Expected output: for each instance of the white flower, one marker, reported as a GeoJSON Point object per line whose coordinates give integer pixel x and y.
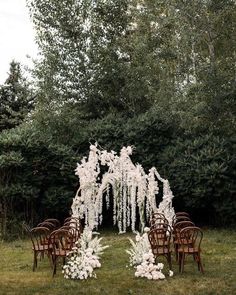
{"type": "Point", "coordinates": [137, 238]}
{"type": "Point", "coordinates": [171, 273]}
{"type": "Point", "coordinates": [161, 276]}
{"type": "Point", "coordinates": [160, 265]}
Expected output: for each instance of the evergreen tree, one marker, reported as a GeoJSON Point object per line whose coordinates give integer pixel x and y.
{"type": "Point", "coordinates": [16, 99]}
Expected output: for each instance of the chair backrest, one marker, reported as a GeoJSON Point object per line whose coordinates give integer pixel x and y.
{"type": "Point", "coordinates": [54, 221]}
{"type": "Point", "coordinates": [159, 238]}
{"type": "Point", "coordinates": [179, 226]}
{"type": "Point", "coordinates": [74, 223]}
{"type": "Point", "coordinates": [182, 224]}
{"type": "Point", "coordinates": [158, 220]}
{"type": "Point", "coordinates": [160, 225]}
{"type": "Point", "coordinates": [182, 214]}
{"type": "Point", "coordinates": [74, 231]}
{"type": "Point", "coordinates": [157, 214]}
{"type": "Point", "coordinates": [193, 235]}
{"type": "Point", "coordinates": [180, 218]}
{"type": "Point", "coordinates": [71, 218]}
{"type": "Point", "coordinates": [47, 224]}
{"type": "Point", "coordinates": [39, 236]}
{"type": "Point", "coordinates": [61, 242]}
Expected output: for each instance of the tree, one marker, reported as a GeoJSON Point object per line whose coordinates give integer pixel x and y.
{"type": "Point", "coordinates": [79, 59]}
{"type": "Point", "coordinates": [16, 98]}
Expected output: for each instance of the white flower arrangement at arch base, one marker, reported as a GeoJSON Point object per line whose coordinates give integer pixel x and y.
{"type": "Point", "coordinates": [84, 257]}
{"type": "Point", "coordinates": [142, 258]}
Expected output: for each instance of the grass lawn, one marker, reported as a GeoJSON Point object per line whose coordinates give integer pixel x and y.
{"type": "Point", "coordinates": [218, 256]}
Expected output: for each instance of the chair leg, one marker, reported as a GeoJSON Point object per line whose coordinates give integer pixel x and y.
{"type": "Point", "coordinates": [182, 262]}
{"type": "Point", "coordinates": [54, 266]}
{"type": "Point", "coordinates": [200, 264]}
{"type": "Point", "coordinates": [35, 261]}
{"type": "Point", "coordinates": [176, 252]}
{"type": "Point", "coordinates": [49, 255]}
{"type": "Point", "coordinates": [179, 261]}
{"type": "Point", "coordinates": [169, 260]}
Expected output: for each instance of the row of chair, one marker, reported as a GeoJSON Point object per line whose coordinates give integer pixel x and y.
{"type": "Point", "coordinates": [51, 239]}
{"type": "Point", "coordinates": [186, 238]}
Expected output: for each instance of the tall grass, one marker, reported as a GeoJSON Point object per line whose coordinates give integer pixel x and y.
{"type": "Point", "coordinates": [114, 277]}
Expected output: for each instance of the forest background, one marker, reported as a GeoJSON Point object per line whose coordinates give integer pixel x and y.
{"type": "Point", "coordinates": [158, 75]}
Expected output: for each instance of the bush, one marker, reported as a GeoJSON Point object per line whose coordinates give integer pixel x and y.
{"type": "Point", "coordinates": [201, 174]}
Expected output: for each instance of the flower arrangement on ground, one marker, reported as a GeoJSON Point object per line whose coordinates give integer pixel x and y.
{"type": "Point", "coordinates": [84, 257]}
{"type": "Point", "coordinates": [142, 258]}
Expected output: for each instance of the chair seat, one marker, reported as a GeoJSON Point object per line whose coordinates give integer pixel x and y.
{"type": "Point", "coordinates": [61, 252]}
{"type": "Point", "coordinates": [40, 248]}
{"type": "Point", "coordinates": [160, 250]}
{"type": "Point", "coordinates": [188, 250]}
{"type": "Point", "coordinates": [183, 242]}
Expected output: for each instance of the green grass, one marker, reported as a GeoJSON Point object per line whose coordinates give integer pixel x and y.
{"type": "Point", "coordinates": [218, 255]}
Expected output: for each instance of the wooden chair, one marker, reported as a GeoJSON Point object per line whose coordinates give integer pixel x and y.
{"type": "Point", "coordinates": [60, 244]}
{"type": "Point", "coordinates": [159, 239]}
{"type": "Point", "coordinates": [176, 234]}
{"type": "Point", "coordinates": [39, 236]}
{"type": "Point", "coordinates": [190, 238]}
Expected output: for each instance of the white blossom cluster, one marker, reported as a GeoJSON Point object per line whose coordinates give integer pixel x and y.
{"type": "Point", "coordinates": [148, 269]}
{"type": "Point", "coordinates": [142, 258]}
{"type": "Point", "coordinates": [84, 258]}
{"type": "Point", "coordinates": [131, 188]}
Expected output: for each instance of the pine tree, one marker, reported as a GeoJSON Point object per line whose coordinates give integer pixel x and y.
{"type": "Point", "coordinates": [16, 99]}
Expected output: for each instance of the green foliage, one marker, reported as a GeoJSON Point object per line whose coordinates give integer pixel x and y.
{"type": "Point", "coordinates": [201, 173]}
{"type": "Point", "coordinates": [36, 176]}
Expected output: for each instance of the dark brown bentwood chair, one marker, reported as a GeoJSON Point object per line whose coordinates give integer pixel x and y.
{"type": "Point", "coordinates": [159, 239]}
{"type": "Point", "coordinates": [60, 243]}
{"type": "Point", "coordinates": [39, 237]}
{"type": "Point", "coordinates": [176, 234]}
{"type": "Point", "coordinates": [190, 238]}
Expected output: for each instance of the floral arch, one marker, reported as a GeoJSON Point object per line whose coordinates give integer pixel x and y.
{"type": "Point", "coordinates": [131, 188]}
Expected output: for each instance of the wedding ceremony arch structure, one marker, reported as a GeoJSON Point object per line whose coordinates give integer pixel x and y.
{"type": "Point", "coordinates": [132, 190]}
